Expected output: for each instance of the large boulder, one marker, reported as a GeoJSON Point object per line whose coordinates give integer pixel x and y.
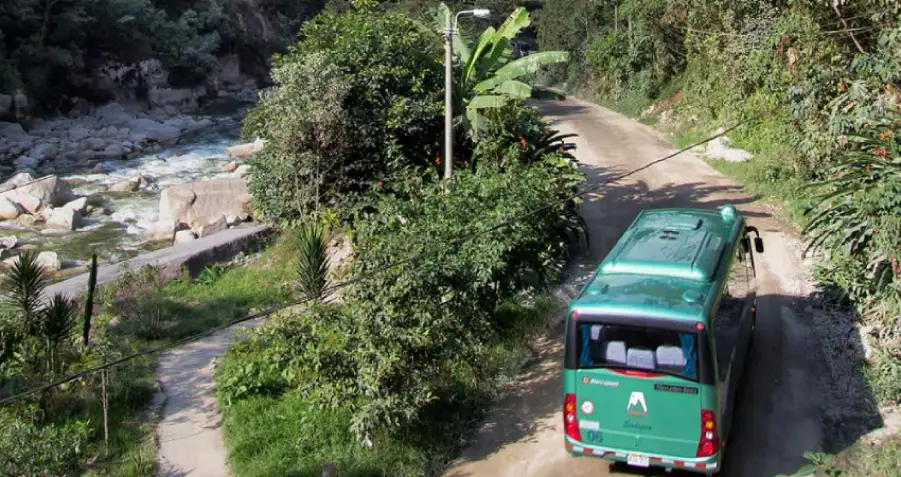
{"type": "Point", "coordinates": [213, 227]}
{"type": "Point", "coordinates": [160, 231]}
{"type": "Point", "coordinates": [51, 190]}
{"type": "Point", "coordinates": [64, 219]}
{"type": "Point", "coordinates": [148, 129]}
{"type": "Point", "coordinates": [23, 200]}
{"type": "Point", "coordinates": [113, 114]}
{"type": "Point", "coordinates": [8, 209]}
{"type": "Point", "coordinates": [245, 150]}
{"type": "Point", "coordinates": [12, 130]}
{"type": "Point", "coordinates": [44, 151]}
{"type": "Point", "coordinates": [79, 205]}
{"type": "Point", "coordinates": [200, 203]}
{"type": "Point", "coordinates": [48, 260]}
{"type": "Point", "coordinates": [20, 179]}
{"type": "Point", "coordinates": [184, 236]}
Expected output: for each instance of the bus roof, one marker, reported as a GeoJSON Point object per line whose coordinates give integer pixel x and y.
{"type": "Point", "coordinates": [666, 265]}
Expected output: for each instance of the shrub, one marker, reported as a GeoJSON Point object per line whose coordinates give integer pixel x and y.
{"type": "Point", "coordinates": [357, 100]}
{"type": "Point", "coordinates": [28, 448]}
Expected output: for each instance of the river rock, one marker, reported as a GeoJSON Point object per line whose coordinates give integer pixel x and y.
{"type": "Point", "coordinates": [113, 151]}
{"type": "Point", "coordinates": [25, 162]}
{"type": "Point", "coordinates": [26, 220]}
{"type": "Point", "coordinates": [20, 179]}
{"type": "Point", "coordinates": [94, 144]}
{"type": "Point", "coordinates": [144, 129]}
{"type": "Point", "coordinates": [79, 205]}
{"type": "Point", "coordinates": [44, 151]}
{"type": "Point", "coordinates": [64, 219]}
{"type": "Point", "coordinates": [230, 167]}
{"type": "Point", "coordinates": [162, 230]}
{"type": "Point", "coordinates": [130, 185]}
{"type": "Point", "coordinates": [98, 168]}
{"type": "Point", "coordinates": [8, 210]}
{"type": "Point", "coordinates": [245, 150]}
{"type": "Point", "coordinates": [49, 260]}
{"type": "Point", "coordinates": [11, 130]}
{"type": "Point", "coordinates": [213, 227]}
{"type": "Point", "coordinates": [79, 133]}
{"type": "Point", "coordinates": [9, 242]}
{"type": "Point", "coordinates": [241, 171]}
{"type": "Point", "coordinates": [50, 190]}
{"type": "Point", "coordinates": [184, 236]}
{"type": "Point", "coordinates": [112, 114]}
{"type": "Point", "coordinates": [24, 200]}
{"type": "Point", "coordinates": [200, 203]}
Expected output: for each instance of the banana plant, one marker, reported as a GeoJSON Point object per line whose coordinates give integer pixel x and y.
{"type": "Point", "coordinates": [489, 77]}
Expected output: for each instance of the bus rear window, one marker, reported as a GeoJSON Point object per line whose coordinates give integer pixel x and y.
{"type": "Point", "coordinates": [638, 348]}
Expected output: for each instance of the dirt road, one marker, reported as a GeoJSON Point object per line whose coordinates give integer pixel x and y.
{"type": "Point", "coordinates": [781, 409]}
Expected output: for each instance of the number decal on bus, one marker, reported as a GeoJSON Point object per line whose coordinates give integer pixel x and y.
{"type": "Point", "coordinates": [593, 436]}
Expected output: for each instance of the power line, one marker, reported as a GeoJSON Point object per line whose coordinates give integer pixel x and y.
{"type": "Point", "coordinates": [366, 275]}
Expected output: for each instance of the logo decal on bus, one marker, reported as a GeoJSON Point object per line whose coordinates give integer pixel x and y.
{"type": "Point", "coordinates": [637, 405]}
{"type": "Point", "coordinates": [600, 382]}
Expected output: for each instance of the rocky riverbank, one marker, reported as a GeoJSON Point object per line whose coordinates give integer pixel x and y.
{"type": "Point", "coordinates": [76, 186]}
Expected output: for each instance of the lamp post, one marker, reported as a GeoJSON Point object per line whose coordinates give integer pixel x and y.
{"type": "Point", "coordinates": [450, 29]}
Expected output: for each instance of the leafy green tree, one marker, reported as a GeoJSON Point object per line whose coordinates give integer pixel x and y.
{"type": "Point", "coordinates": [356, 102]}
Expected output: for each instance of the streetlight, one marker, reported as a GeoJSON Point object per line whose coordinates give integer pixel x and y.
{"type": "Point", "coordinates": [450, 29]}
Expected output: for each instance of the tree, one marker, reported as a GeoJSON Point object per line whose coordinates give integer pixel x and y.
{"type": "Point", "coordinates": [357, 102]}
{"type": "Point", "coordinates": [489, 76]}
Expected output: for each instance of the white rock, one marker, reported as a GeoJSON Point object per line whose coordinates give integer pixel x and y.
{"type": "Point", "coordinates": [26, 220]}
{"type": "Point", "coordinates": [143, 129]}
{"type": "Point", "coordinates": [9, 242]}
{"type": "Point", "coordinates": [79, 205]}
{"type": "Point", "coordinates": [233, 220]}
{"type": "Point", "coordinates": [184, 236]}
{"type": "Point", "coordinates": [20, 179]}
{"type": "Point", "coordinates": [162, 230]}
{"type": "Point", "coordinates": [64, 219]}
{"type": "Point", "coordinates": [50, 190]}
{"type": "Point", "coordinates": [230, 167]}
{"type": "Point", "coordinates": [246, 150]}
{"type": "Point", "coordinates": [213, 227]}
{"type": "Point", "coordinates": [130, 185]}
{"type": "Point", "coordinates": [49, 260]}
{"type": "Point", "coordinates": [24, 200]}
{"type": "Point", "coordinates": [8, 210]}
{"type": "Point", "coordinates": [241, 171]}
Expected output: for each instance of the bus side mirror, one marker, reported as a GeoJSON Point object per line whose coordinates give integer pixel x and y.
{"type": "Point", "coordinates": [758, 244]}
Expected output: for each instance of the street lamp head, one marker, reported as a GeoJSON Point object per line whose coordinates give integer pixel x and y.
{"type": "Point", "coordinates": [481, 13]}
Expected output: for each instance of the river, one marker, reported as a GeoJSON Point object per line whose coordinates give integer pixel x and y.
{"type": "Point", "coordinates": [118, 233]}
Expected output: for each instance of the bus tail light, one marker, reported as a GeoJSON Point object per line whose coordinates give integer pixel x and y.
{"type": "Point", "coordinates": [570, 418]}
{"type": "Point", "coordinates": [709, 443]}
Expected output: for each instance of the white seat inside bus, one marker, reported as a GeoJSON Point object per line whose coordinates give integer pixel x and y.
{"type": "Point", "coordinates": [641, 358]}
{"type": "Point", "coordinates": [670, 356]}
{"type": "Point", "coordinates": [615, 352]}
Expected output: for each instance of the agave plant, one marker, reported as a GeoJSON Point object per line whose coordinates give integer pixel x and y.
{"type": "Point", "coordinates": [490, 76]}
{"type": "Point", "coordinates": [312, 261]}
{"type": "Point", "coordinates": [23, 288]}
{"type": "Point", "coordinates": [55, 327]}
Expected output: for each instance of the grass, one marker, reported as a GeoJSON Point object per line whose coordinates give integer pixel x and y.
{"type": "Point", "coordinates": [866, 460]}
{"type": "Point", "coordinates": [282, 435]}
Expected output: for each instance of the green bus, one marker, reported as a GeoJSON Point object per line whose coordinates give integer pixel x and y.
{"type": "Point", "coordinates": [656, 342]}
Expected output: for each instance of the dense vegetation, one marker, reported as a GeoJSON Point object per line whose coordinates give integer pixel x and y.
{"type": "Point", "coordinates": [52, 48]}
{"type": "Point", "coordinates": [408, 356]}
{"type": "Point", "coordinates": [824, 78]}
{"type": "Point", "coordinates": [62, 431]}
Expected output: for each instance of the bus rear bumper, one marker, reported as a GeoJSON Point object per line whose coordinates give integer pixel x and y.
{"type": "Point", "coordinates": [704, 465]}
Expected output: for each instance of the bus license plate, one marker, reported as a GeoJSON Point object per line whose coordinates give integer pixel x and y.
{"type": "Point", "coordinates": [638, 460]}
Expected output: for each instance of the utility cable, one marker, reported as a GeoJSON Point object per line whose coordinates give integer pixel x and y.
{"type": "Point", "coordinates": [366, 275]}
